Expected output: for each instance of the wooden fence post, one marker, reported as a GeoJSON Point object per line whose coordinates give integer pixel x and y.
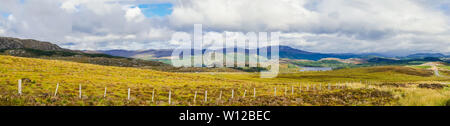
{"type": "Point", "coordinates": [104, 93]}
{"type": "Point", "coordinates": [19, 86]}
{"type": "Point", "coordinates": [195, 97]}
{"type": "Point", "coordinates": [153, 95]}
{"type": "Point", "coordinates": [245, 91]}
{"type": "Point", "coordinates": [232, 93]}
{"type": "Point", "coordinates": [170, 93]}
{"type": "Point", "coordinates": [275, 92]}
{"type": "Point", "coordinates": [206, 96]}
{"type": "Point", "coordinates": [56, 90]}
{"type": "Point", "coordinates": [79, 93]}
{"type": "Point", "coordinates": [220, 96]}
{"type": "Point", "coordinates": [254, 92]}
{"type": "Point", "coordinates": [129, 90]}
{"type": "Point", "coordinates": [292, 88]}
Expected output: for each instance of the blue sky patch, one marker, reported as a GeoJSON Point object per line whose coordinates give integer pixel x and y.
{"type": "Point", "coordinates": [4, 14]}
{"type": "Point", "coordinates": [445, 8]}
{"type": "Point", "coordinates": [151, 10]}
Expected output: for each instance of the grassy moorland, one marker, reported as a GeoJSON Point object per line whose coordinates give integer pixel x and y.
{"type": "Point", "coordinates": [386, 85]}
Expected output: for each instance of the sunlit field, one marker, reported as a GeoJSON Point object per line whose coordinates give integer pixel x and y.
{"type": "Point", "coordinates": [109, 86]}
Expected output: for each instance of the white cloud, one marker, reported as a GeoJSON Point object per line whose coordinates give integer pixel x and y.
{"type": "Point", "coordinates": [11, 18]}
{"type": "Point", "coordinates": [158, 34]}
{"type": "Point", "coordinates": [327, 25]}
{"type": "Point", "coordinates": [134, 15]}
{"type": "Point", "coordinates": [2, 31]}
{"type": "Point", "coordinates": [70, 6]}
{"type": "Point", "coordinates": [313, 25]}
{"type": "Point", "coordinates": [243, 14]}
{"type": "Point", "coordinates": [325, 16]}
{"type": "Point", "coordinates": [91, 38]}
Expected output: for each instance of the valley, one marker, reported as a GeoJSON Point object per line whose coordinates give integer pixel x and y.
{"type": "Point", "coordinates": [53, 76]}
{"type": "Point", "coordinates": [387, 85]}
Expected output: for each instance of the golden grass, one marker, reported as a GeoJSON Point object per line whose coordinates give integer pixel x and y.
{"type": "Point", "coordinates": [424, 97]}
{"type": "Point", "coordinates": [45, 74]}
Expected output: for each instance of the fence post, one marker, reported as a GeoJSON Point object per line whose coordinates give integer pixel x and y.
{"type": "Point", "coordinates": [254, 92]}
{"type": "Point", "coordinates": [232, 93]}
{"type": "Point", "coordinates": [104, 94]}
{"type": "Point", "coordinates": [19, 87]}
{"type": "Point", "coordinates": [329, 86]}
{"type": "Point", "coordinates": [170, 93]}
{"type": "Point", "coordinates": [292, 88]}
{"type": "Point", "coordinates": [195, 97]}
{"type": "Point", "coordinates": [245, 91]}
{"type": "Point", "coordinates": [275, 92]}
{"type": "Point", "coordinates": [285, 91]}
{"type": "Point", "coordinates": [153, 94]}
{"type": "Point", "coordinates": [129, 90]}
{"type": "Point", "coordinates": [56, 90]}
{"type": "Point", "coordinates": [206, 96]}
{"type": "Point", "coordinates": [79, 93]}
{"type": "Point", "coordinates": [220, 96]}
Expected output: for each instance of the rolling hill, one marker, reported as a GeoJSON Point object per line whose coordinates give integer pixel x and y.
{"type": "Point", "coordinates": [423, 55]}
{"type": "Point", "coordinates": [41, 77]}
{"type": "Point", "coordinates": [15, 43]}
{"type": "Point", "coordinates": [285, 52]}
{"type": "Point", "coordinates": [47, 50]}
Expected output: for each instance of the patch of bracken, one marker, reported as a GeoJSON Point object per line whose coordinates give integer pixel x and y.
{"type": "Point", "coordinates": [343, 97]}
{"type": "Point", "coordinates": [432, 86]}
{"type": "Point", "coordinates": [393, 84]}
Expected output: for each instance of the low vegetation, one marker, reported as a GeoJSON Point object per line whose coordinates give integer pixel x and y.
{"type": "Point", "coordinates": [347, 86]}
{"type": "Point", "coordinates": [376, 61]}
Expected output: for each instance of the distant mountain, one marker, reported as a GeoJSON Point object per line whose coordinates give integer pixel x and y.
{"type": "Point", "coordinates": [394, 61]}
{"type": "Point", "coordinates": [285, 52]}
{"type": "Point", "coordinates": [423, 55]}
{"type": "Point", "coordinates": [292, 53]}
{"type": "Point", "coordinates": [146, 54]}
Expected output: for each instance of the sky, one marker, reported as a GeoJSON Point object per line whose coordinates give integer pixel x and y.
{"type": "Point", "coordinates": [396, 27]}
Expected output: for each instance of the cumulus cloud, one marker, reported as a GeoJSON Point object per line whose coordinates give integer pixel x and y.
{"type": "Point", "coordinates": [243, 15]}
{"type": "Point", "coordinates": [344, 26]}
{"type": "Point", "coordinates": [2, 31]}
{"type": "Point", "coordinates": [401, 26]}
{"type": "Point", "coordinates": [134, 15]}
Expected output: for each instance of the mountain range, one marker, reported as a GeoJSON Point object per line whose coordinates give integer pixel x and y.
{"type": "Point", "coordinates": [284, 51]}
